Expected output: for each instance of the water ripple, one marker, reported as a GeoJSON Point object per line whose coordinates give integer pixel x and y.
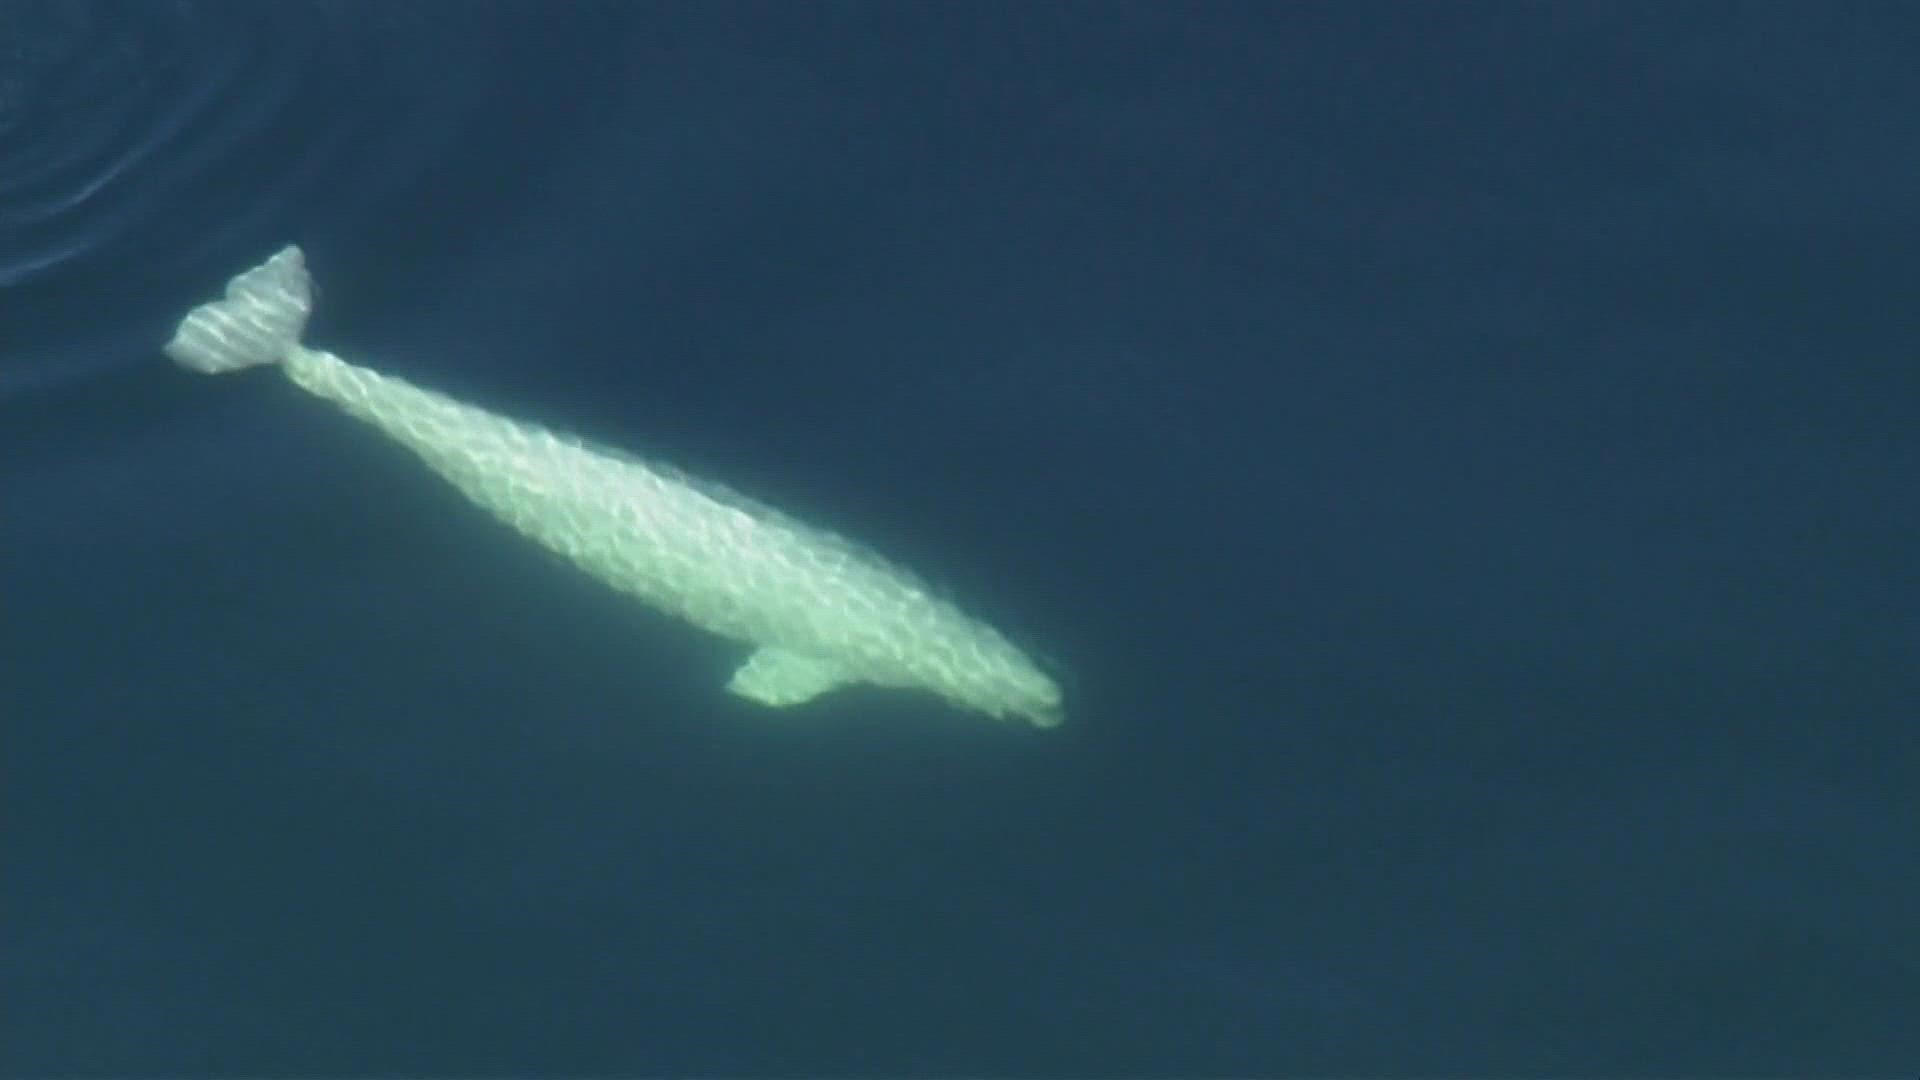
{"type": "Point", "coordinates": [92, 96]}
{"type": "Point", "coordinates": [142, 142]}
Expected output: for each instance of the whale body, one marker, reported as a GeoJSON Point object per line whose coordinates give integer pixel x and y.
{"type": "Point", "coordinates": [818, 611]}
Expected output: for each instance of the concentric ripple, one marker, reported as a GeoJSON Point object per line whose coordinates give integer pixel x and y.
{"type": "Point", "coordinates": [106, 109]}
{"type": "Point", "coordinates": [137, 140]}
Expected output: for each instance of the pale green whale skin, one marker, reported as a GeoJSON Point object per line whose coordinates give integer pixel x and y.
{"type": "Point", "coordinates": [819, 611]}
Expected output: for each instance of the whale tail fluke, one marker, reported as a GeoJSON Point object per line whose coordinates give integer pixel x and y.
{"type": "Point", "coordinates": [258, 322]}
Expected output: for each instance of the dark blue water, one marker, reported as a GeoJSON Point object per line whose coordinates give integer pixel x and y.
{"type": "Point", "coordinates": [1462, 458]}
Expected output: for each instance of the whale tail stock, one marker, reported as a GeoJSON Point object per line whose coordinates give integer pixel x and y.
{"type": "Point", "coordinates": [258, 321]}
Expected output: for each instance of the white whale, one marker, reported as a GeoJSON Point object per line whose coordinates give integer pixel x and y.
{"type": "Point", "coordinates": [820, 612]}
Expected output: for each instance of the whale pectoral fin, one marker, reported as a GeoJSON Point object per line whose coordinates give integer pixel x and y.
{"type": "Point", "coordinates": [776, 677]}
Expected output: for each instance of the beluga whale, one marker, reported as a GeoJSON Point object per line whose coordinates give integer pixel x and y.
{"type": "Point", "coordinates": [815, 610]}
